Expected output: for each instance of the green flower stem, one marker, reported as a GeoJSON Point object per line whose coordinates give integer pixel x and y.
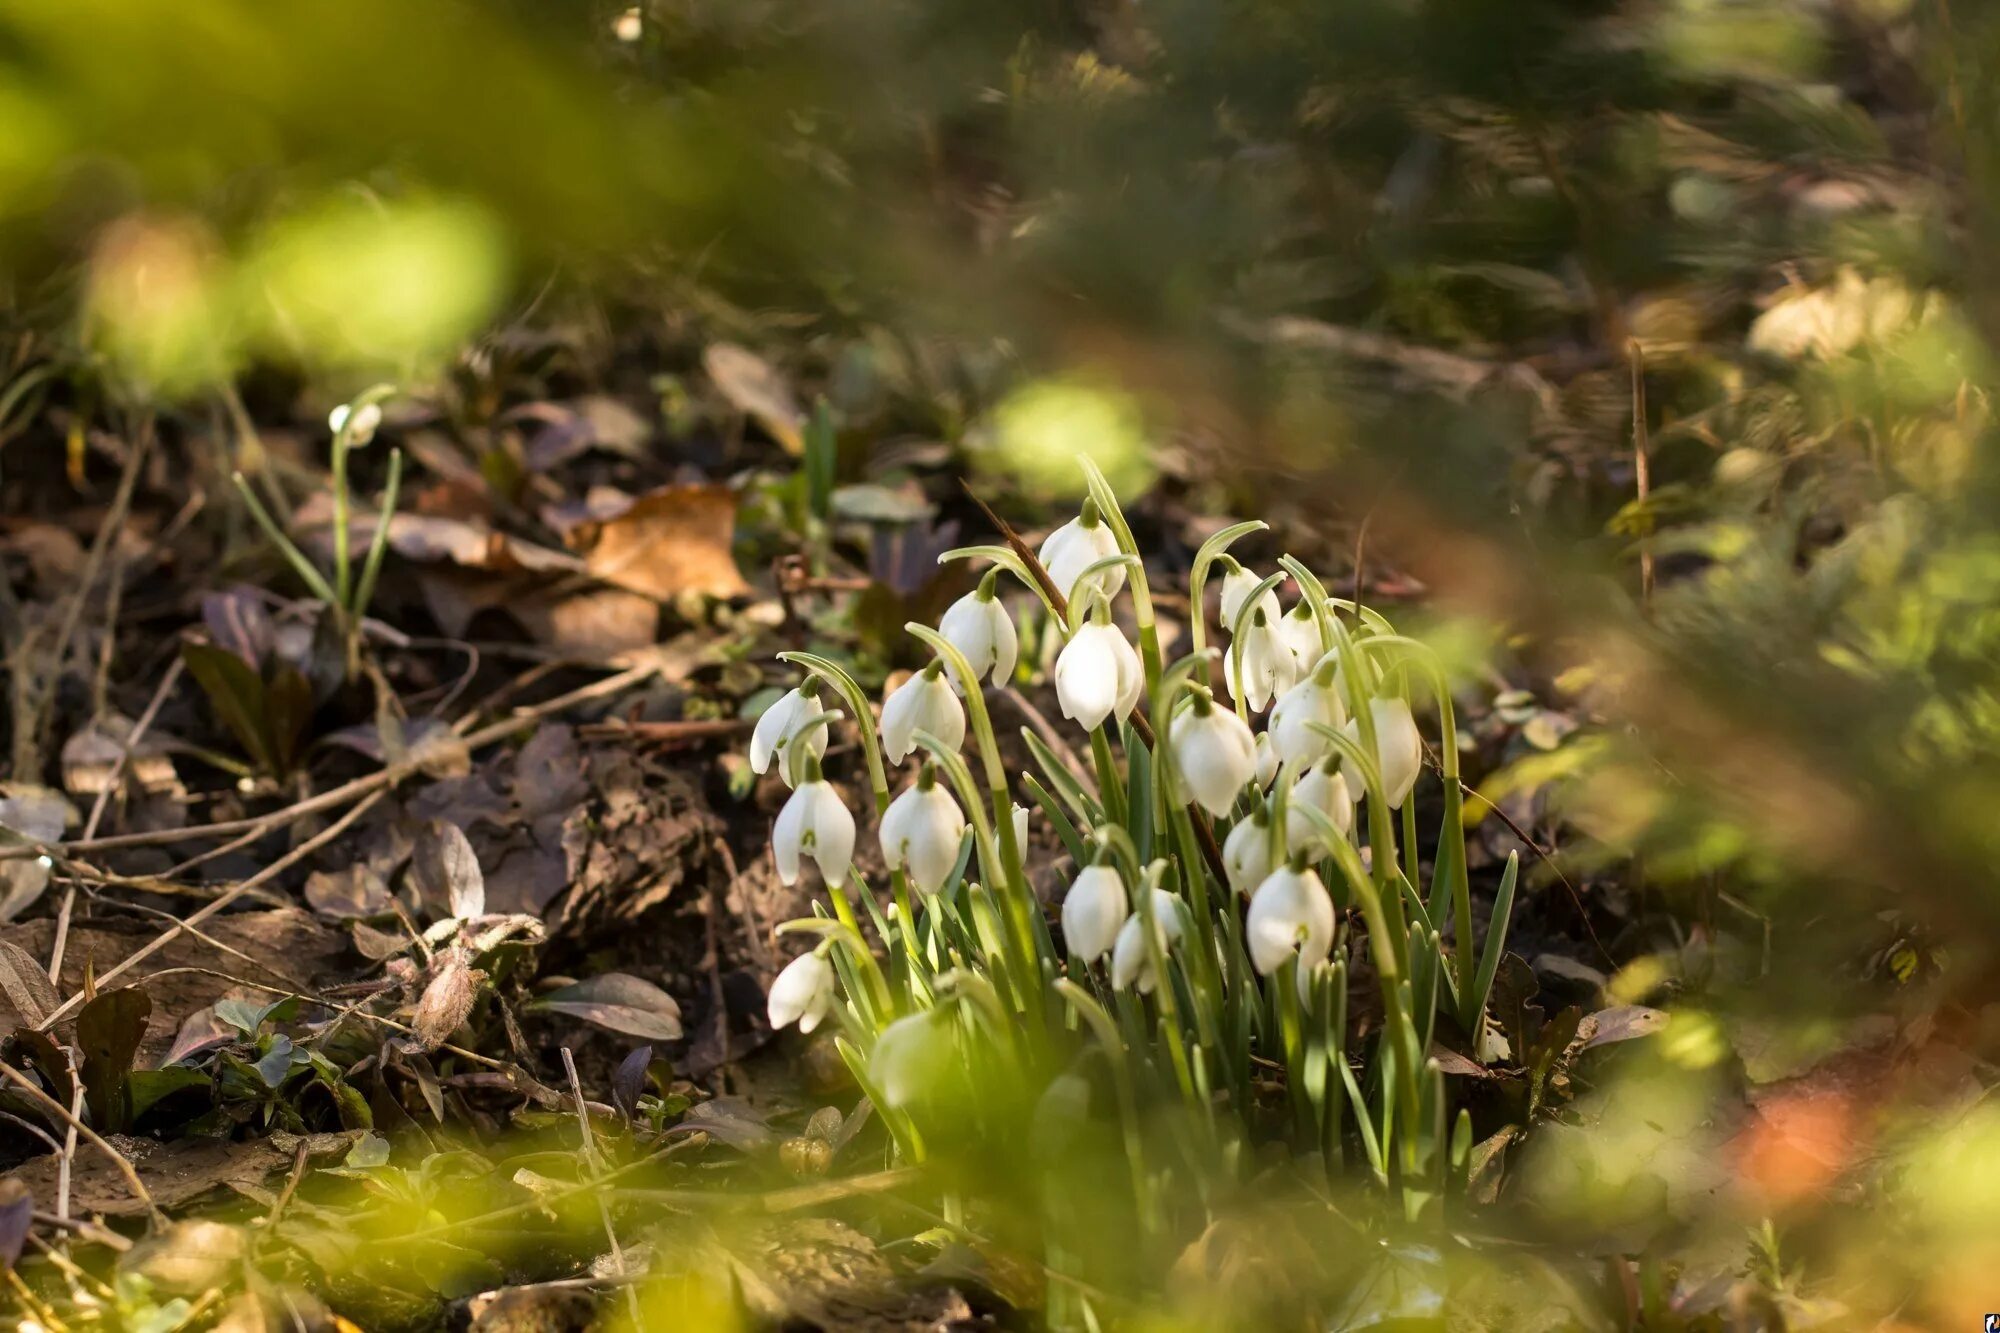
{"type": "Point", "coordinates": [1142, 595]}
{"type": "Point", "coordinates": [1245, 615]}
{"type": "Point", "coordinates": [1113, 1045]}
{"type": "Point", "coordinates": [1211, 550]}
{"type": "Point", "coordinates": [307, 571]}
{"type": "Point", "coordinates": [1005, 558]}
{"type": "Point", "coordinates": [371, 569]}
{"type": "Point", "coordinates": [1315, 595]}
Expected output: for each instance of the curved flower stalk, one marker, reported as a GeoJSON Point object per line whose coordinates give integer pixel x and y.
{"type": "Point", "coordinates": [783, 720]}
{"type": "Point", "coordinates": [921, 832]}
{"type": "Point", "coordinates": [924, 702]}
{"type": "Point", "coordinates": [979, 626]}
{"type": "Point", "coordinates": [1210, 553]}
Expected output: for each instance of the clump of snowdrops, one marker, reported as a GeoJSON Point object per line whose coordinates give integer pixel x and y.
{"type": "Point", "coordinates": [1235, 860]}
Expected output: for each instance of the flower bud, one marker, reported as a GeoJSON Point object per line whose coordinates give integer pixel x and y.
{"type": "Point", "coordinates": [1214, 753]}
{"type": "Point", "coordinates": [1093, 910]}
{"type": "Point", "coordinates": [1399, 751]}
{"type": "Point", "coordinates": [816, 823]}
{"type": "Point", "coordinates": [921, 831]}
{"type": "Point", "coordinates": [978, 625]}
{"type": "Point", "coordinates": [1246, 852]}
{"type": "Point", "coordinates": [1098, 674]}
{"type": "Point", "coordinates": [1075, 547]}
{"type": "Point", "coordinates": [1020, 816]}
{"type": "Point", "coordinates": [924, 702]}
{"type": "Point", "coordinates": [361, 425]}
{"type": "Point", "coordinates": [779, 723]}
{"type": "Point", "coordinates": [1131, 960]}
{"type": "Point", "coordinates": [802, 993]}
{"type": "Point", "coordinates": [1325, 789]}
{"type": "Point", "coordinates": [1290, 911]}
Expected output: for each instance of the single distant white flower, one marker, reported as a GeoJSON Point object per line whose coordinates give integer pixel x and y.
{"type": "Point", "coordinates": [924, 702]}
{"type": "Point", "coordinates": [1131, 960]}
{"type": "Point", "coordinates": [365, 422]}
{"type": "Point", "coordinates": [921, 831]}
{"type": "Point", "coordinates": [1267, 667]}
{"type": "Point", "coordinates": [1075, 547]}
{"type": "Point", "coordinates": [802, 993]}
{"type": "Point", "coordinates": [629, 26]}
{"type": "Point", "coordinates": [1325, 789]}
{"type": "Point", "coordinates": [1093, 910]}
{"type": "Point", "coordinates": [1289, 911]}
{"type": "Point", "coordinates": [1399, 751]}
{"type": "Point", "coordinates": [1315, 699]}
{"type": "Point", "coordinates": [1098, 674]}
{"type": "Point", "coordinates": [978, 625]}
{"type": "Point", "coordinates": [1214, 753]}
{"type": "Point", "coordinates": [816, 823]}
{"type": "Point", "coordinates": [1246, 852]}
{"type": "Point", "coordinates": [1237, 585]}
{"type": "Point", "coordinates": [778, 724]}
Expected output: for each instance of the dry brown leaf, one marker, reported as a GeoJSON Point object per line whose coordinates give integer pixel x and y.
{"type": "Point", "coordinates": [591, 626]}
{"type": "Point", "coordinates": [667, 542]}
{"type": "Point", "coordinates": [447, 1000]}
{"type": "Point", "coordinates": [756, 389]}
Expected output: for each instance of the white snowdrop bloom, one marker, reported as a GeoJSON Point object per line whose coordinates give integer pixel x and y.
{"type": "Point", "coordinates": [906, 1055]}
{"type": "Point", "coordinates": [629, 26]}
{"type": "Point", "coordinates": [1267, 667]}
{"type": "Point", "coordinates": [1131, 960]}
{"type": "Point", "coordinates": [365, 423]}
{"type": "Point", "coordinates": [1246, 852]}
{"type": "Point", "coordinates": [1399, 751]}
{"type": "Point", "coordinates": [802, 993]}
{"type": "Point", "coordinates": [1324, 788]}
{"type": "Point", "coordinates": [1298, 630]}
{"type": "Point", "coordinates": [1075, 547]}
{"type": "Point", "coordinates": [1093, 910]}
{"type": "Point", "coordinates": [1290, 911]}
{"type": "Point", "coordinates": [1214, 753]}
{"type": "Point", "coordinates": [816, 823]}
{"type": "Point", "coordinates": [1237, 585]}
{"type": "Point", "coordinates": [1267, 760]}
{"type": "Point", "coordinates": [1314, 699]}
{"type": "Point", "coordinates": [979, 626]}
{"type": "Point", "coordinates": [1098, 674]}
{"type": "Point", "coordinates": [778, 724]}
{"type": "Point", "coordinates": [921, 831]}
{"type": "Point", "coordinates": [924, 702]}
{"type": "Point", "coordinates": [1020, 815]}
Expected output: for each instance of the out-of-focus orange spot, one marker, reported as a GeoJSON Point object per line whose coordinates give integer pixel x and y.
{"type": "Point", "coordinates": [1796, 1146]}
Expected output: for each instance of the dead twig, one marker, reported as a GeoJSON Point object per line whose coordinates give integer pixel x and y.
{"type": "Point", "coordinates": [117, 1159]}
{"type": "Point", "coordinates": [595, 1162]}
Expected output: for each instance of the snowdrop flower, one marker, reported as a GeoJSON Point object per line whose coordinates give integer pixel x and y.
{"type": "Point", "coordinates": [924, 702]}
{"type": "Point", "coordinates": [1324, 788]}
{"type": "Point", "coordinates": [1246, 852]}
{"type": "Point", "coordinates": [1098, 675]}
{"type": "Point", "coordinates": [1267, 760]}
{"type": "Point", "coordinates": [921, 831]}
{"type": "Point", "coordinates": [978, 625]}
{"type": "Point", "coordinates": [1020, 814]}
{"type": "Point", "coordinates": [817, 823]}
{"type": "Point", "coordinates": [1268, 667]}
{"type": "Point", "coordinates": [1314, 699]}
{"type": "Point", "coordinates": [1093, 910]}
{"type": "Point", "coordinates": [364, 423]}
{"type": "Point", "coordinates": [905, 1057]}
{"type": "Point", "coordinates": [1237, 585]}
{"type": "Point", "coordinates": [1298, 630]}
{"type": "Point", "coordinates": [1075, 547]}
{"type": "Point", "coordinates": [1131, 960]}
{"type": "Point", "coordinates": [779, 723]}
{"type": "Point", "coordinates": [1399, 751]}
{"type": "Point", "coordinates": [1290, 911]}
{"type": "Point", "coordinates": [1214, 753]}
{"type": "Point", "coordinates": [802, 993]}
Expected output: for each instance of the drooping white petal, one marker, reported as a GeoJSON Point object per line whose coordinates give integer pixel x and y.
{"type": "Point", "coordinates": [1020, 815]}
{"type": "Point", "coordinates": [776, 727]}
{"type": "Point", "coordinates": [1399, 750]}
{"type": "Point", "coordinates": [921, 831]}
{"type": "Point", "coordinates": [985, 633]}
{"type": "Point", "coordinates": [1131, 960]}
{"type": "Point", "coordinates": [1292, 718]}
{"type": "Point", "coordinates": [1237, 584]}
{"type": "Point", "coordinates": [788, 833]}
{"type": "Point", "coordinates": [1246, 855]}
{"type": "Point", "coordinates": [1325, 789]}
{"type": "Point", "coordinates": [1267, 667]}
{"type": "Point", "coordinates": [1267, 760]}
{"type": "Point", "coordinates": [1298, 630]}
{"type": "Point", "coordinates": [1073, 548]}
{"type": "Point", "coordinates": [1216, 755]}
{"type": "Point", "coordinates": [802, 993]}
{"type": "Point", "coordinates": [1093, 910]}
{"type": "Point", "coordinates": [924, 702]}
{"type": "Point", "coordinates": [1290, 911]}
{"type": "Point", "coordinates": [1098, 674]}
{"type": "Point", "coordinates": [831, 830]}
